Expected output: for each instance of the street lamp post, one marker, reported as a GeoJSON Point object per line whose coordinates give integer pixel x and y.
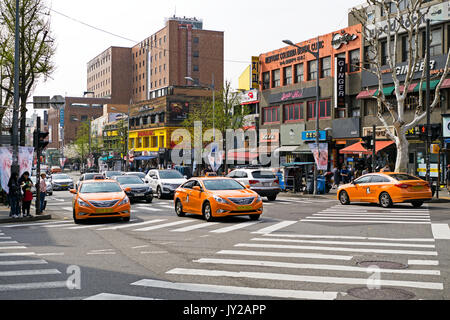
{"type": "Point", "coordinates": [316, 54]}
{"type": "Point", "coordinates": [15, 122]}
{"type": "Point", "coordinates": [126, 138]}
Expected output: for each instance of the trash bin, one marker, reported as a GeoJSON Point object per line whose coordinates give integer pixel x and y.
{"type": "Point", "coordinates": [321, 185]}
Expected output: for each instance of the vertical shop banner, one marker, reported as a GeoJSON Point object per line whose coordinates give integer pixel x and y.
{"type": "Point", "coordinates": [446, 125]}
{"type": "Point", "coordinates": [255, 73]}
{"type": "Point", "coordinates": [339, 83]}
{"type": "Point", "coordinates": [26, 155]}
{"type": "Point", "coordinates": [5, 167]}
{"type": "Point", "coordinates": [320, 155]}
{"type": "Point", "coordinates": [215, 157]}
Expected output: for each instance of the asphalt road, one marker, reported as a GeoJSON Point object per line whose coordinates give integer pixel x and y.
{"type": "Point", "coordinates": [300, 249]}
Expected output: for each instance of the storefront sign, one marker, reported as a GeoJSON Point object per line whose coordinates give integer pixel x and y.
{"type": "Point", "coordinates": [255, 72]}
{"type": "Point", "coordinates": [291, 134]}
{"type": "Point", "coordinates": [249, 96]}
{"type": "Point", "coordinates": [339, 83]}
{"type": "Point", "coordinates": [292, 95]}
{"type": "Point", "coordinates": [179, 111]}
{"type": "Point", "coordinates": [61, 117]}
{"type": "Point", "coordinates": [446, 125]}
{"type": "Point", "coordinates": [269, 137]}
{"type": "Point", "coordinates": [342, 38]}
{"type": "Point", "coordinates": [311, 135]}
{"type": "Point", "coordinates": [346, 128]}
{"type": "Point", "coordinates": [146, 133]}
{"type": "Point", "coordinates": [380, 132]}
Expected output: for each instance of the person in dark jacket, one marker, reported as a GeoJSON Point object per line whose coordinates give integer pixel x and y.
{"type": "Point", "coordinates": [14, 195]}
{"type": "Point", "coordinates": [26, 185]}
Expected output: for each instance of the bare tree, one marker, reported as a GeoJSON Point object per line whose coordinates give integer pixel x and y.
{"type": "Point", "coordinates": [36, 50]}
{"type": "Point", "coordinates": [407, 20]}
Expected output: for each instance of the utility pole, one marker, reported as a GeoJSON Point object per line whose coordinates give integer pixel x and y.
{"type": "Point", "coordinates": [316, 169]}
{"type": "Point", "coordinates": [427, 102]}
{"type": "Point", "coordinates": [15, 122]}
{"type": "Point", "coordinates": [374, 151]}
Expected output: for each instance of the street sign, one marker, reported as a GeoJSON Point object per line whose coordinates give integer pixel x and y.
{"type": "Point", "coordinates": [435, 149]}
{"type": "Point", "coordinates": [57, 101]}
{"type": "Point", "coordinates": [41, 102]}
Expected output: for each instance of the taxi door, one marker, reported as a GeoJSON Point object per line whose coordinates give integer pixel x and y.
{"type": "Point", "coordinates": [362, 190]}
{"type": "Point", "coordinates": [195, 198]}
{"type": "Point", "coordinates": [377, 184]}
{"type": "Point", "coordinates": [185, 194]}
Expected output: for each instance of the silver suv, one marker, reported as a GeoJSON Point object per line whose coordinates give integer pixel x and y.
{"type": "Point", "coordinates": [262, 181]}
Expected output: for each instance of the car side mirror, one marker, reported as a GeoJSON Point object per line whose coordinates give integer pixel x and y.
{"type": "Point", "coordinates": [247, 186]}
{"type": "Point", "coordinates": [197, 188]}
{"type": "Point", "coordinates": [127, 189]}
{"type": "Point", "coordinates": [354, 183]}
{"type": "Point", "coordinates": [185, 177]}
{"type": "Point", "coordinates": [73, 191]}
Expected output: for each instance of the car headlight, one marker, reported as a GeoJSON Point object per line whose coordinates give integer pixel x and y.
{"type": "Point", "coordinates": [259, 199]}
{"type": "Point", "coordinates": [220, 200]}
{"type": "Point", "coordinates": [82, 203]}
{"type": "Point", "coordinates": [124, 201]}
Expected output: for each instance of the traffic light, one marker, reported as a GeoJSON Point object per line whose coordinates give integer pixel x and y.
{"type": "Point", "coordinates": [423, 132]}
{"type": "Point", "coordinates": [435, 131]}
{"type": "Point", "coordinates": [367, 142]}
{"type": "Point", "coordinates": [39, 140]}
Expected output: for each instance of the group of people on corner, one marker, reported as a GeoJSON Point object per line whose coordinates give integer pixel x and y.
{"type": "Point", "coordinates": [20, 194]}
{"type": "Point", "coordinates": [348, 174]}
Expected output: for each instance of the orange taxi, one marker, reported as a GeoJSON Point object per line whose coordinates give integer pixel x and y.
{"type": "Point", "coordinates": [386, 189]}
{"type": "Point", "coordinates": [100, 199]}
{"type": "Point", "coordinates": [214, 197]}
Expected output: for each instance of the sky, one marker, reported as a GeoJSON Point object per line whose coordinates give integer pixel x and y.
{"type": "Point", "coordinates": [250, 28]}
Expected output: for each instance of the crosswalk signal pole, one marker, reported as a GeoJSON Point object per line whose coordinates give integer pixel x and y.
{"type": "Point", "coordinates": [38, 166]}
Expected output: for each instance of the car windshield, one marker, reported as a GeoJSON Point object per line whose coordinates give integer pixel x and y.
{"type": "Point", "coordinates": [403, 177]}
{"type": "Point", "coordinates": [137, 174]}
{"type": "Point", "coordinates": [100, 187]}
{"type": "Point", "coordinates": [129, 180]}
{"type": "Point", "coordinates": [113, 173]}
{"type": "Point", "coordinates": [90, 176]}
{"type": "Point", "coordinates": [222, 184]}
{"type": "Point", "coordinates": [173, 174]}
{"type": "Point", "coordinates": [263, 175]}
{"type": "Point", "coordinates": [60, 177]}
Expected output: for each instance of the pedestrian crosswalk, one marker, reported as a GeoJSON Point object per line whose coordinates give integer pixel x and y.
{"type": "Point", "coordinates": [21, 269]}
{"type": "Point", "coordinates": [339, 214]}
{"type": "Point", "coordinates": [170, 224]}
{"type": "Point", "coordinates": [326, 269]}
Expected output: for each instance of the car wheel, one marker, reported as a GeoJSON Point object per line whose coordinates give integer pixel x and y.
{"type": "Point", "coordinates": [385, 200]}
{"type": "Point", "coordinates": [159, 193]}
{"type": "Point", "coordinates": [255, 217]}
{"type": "Point", "coordinates": [417, 204]}
{"type": "Point", "coordinates": [149, 200]}
{"type": "Point", "coordinates": [272, 198]}
{"type": "Point", "coordinates": [179, 209]}
{"type": "Point", "coordinates": [207, 212]}
{"type": "Point", "coordinates": [126, 219]}
{"type": "Point", "coordinates": [75, 220]}
{"type": "Point", "coordinates": [344, 198]}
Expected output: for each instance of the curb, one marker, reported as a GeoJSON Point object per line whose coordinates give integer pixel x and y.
{"type": "Point", "coordinates": [31, 219]}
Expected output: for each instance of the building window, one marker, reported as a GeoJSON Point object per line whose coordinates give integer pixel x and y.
{"type": "Point", "coordinates": [266, 80]}
{"type": "Point", "coordinates": [271, 114]}
{"type": "Point", "coordinates": [196, 54]}
{"type": "Point", "coordinates": [355, 56]}
{"type": "Point", "coordinates": [326, 67]}
{"type": "Point", "coordinates": [324, 111]}
{"type": "Point", "coordinates": [436, 42]}
{"type": "Point", "coordinates": [299, 76]}
{"type": "Point", "coordinates": [384, 53]}
{"type": "Point", "coordinates": [293, 112]}
{"type": "Point", "coordinates": [312, 70]}
{"type": "Point", "coordinates": [276, 78]}
{"type": "Point", "coordinates": [195, 68]}
{"type": "Point", "coordinates": [287, 76]}
{"type": "Point", "coordinates": [196, 40]}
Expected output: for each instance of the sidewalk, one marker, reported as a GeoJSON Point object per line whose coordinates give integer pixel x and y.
{"type": "Point", "coordinates": [5, 218]}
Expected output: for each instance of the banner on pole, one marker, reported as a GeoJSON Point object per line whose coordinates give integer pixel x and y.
{"type": "Point", "coordinates": [320, 155]}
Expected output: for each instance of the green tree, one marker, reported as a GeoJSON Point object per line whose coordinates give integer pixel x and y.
{"type": "Point", "coordinates": [81, 142]}
{"type": "Point", "coordinates": [36, 51]}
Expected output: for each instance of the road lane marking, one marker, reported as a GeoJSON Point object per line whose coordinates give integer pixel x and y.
{"type": "Point", "coordinates": [423, 262]}
{"type": "Point", "coordinates": [372, 214]}
{"type": "Point", "coordinates": [320, 248]}
{"type": "Point", "coordinates": [110, 296]}
{"type": "Point", "coordinates": [232, 290]}
{"type": "Point", "coordinates": [440, 231]}
{"type": "Point", "coordinates": [366, 221]}
{"type": "Point", "coordinates": [235, 227]}
{"type": "Point", "coordinates": [13, 254]}
{"type": "Point", "coordinates": [12, 248]}
{"type": "Point", "coordinates": [352, 243]}
{"type": "Point", "coordinates": [163, 226]}
{"type": "Point", "coordinates": [195, 227]}
{"type": "Point", "coordinates": [22, 262]}
{"type": "Point", "coordinates": [36, 224]}
{"type": "Point", "coordinates": [370, 218]}
{"type": "Point", "coordinates": [33, 285]}
{"type": "Point", "coordinates": [28, 272]}
{"type": "Point", "coordinates": [304, 278]}
{"type": "Point", "coordinates": [286, 255]}
{"type": "Point", "coordinates": [348, 237]}
{"type": "Point", "coordinates": [132, 225]}
{"type": "Point", "coordinates": [277, 264]}
{"type": "Point", "coordinates": [275, 227]}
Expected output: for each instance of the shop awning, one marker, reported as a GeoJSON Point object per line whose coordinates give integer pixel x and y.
{"type": "Point", "coordinates": [297, 164]}
{"type": "Point", "coordinates": [433, 85]}
{"type": "Point", "coordinates": [410, 88]}
{"type": "Point", "coordinates": [366, 94]}
{"type": "Point", "coordinates": [387, 91]}
{"type": "Point", "coordinates": [446, 84]}
{"type": "Point", "coordinates": [144, 158]}
{"type": "Point", "coordinates": [357, 148]}
{"type": "Point", "coordinates": [287, 148]}
{"type": "Point", "coordinates": [239, 156]}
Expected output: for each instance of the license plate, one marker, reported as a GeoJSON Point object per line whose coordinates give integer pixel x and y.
{"type": "Point", "coordinates": [418, 187]}
{"type": "Point", "coordinates": [266, 184]}
{"type": "Point", "coordinates": [139, 195]}
{"type": "Point", "coordinates": [65, 185]}
{"type": "Point", "coordinates": [245, 208]}
{"type": "Point", "coordinates": [109, 210]}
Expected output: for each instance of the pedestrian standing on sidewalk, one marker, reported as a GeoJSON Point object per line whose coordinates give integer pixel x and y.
{"type": "Point", "coordinates": [43, 192]}
{"type": "Point", "coordinates": [14, 195]}
{"type": "Point", "coordinates": [337, 177]}
{"type": "Point", "coordinates": [26, 185]}
{"type": "Point", "coordinates": [448, 178]}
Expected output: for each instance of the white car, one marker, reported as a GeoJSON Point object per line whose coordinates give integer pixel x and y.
{"type": "Point", "coordinates": [47, 183]}
{"type": "Point", "coordinates": [164, 182]}
{"type": "Point", "coordinates": [263, 181]}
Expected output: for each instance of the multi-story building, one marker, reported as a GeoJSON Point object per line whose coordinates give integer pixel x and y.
{"type": "Point", "coordinates": [288, 93]}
